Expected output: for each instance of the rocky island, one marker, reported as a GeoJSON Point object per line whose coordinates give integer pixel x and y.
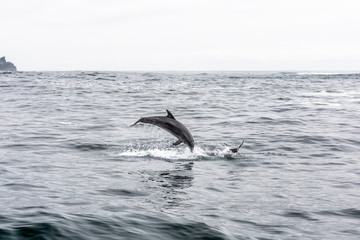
{"type": "Point", "coordinates": [6, 66]}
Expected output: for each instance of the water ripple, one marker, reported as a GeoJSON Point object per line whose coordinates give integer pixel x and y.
{"type": "Point", "coordinates": [72, 168]}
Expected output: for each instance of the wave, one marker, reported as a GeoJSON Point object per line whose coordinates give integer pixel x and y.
{"type": "Point", "coordinates": [348, 212]}
{"type": "Point", "coordinates": [329, 73]}
{"type": "Point", "coordinates": [132, 226]}
{"type": "Point", "coordinates": [90, 146]}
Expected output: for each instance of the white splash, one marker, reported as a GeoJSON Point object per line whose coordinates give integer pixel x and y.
{"type": "Point", "coordinates": [177, 154]}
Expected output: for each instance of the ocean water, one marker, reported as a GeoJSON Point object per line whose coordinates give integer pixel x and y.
{"type": "Point", "coordinates": [71, 167]}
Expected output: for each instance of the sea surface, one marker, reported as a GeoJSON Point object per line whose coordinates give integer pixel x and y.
{"type": "Point", "coordinates": [71, 167]}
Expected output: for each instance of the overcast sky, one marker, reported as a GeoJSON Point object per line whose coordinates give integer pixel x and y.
{"type": "Point", "coordinates": [201, 35]}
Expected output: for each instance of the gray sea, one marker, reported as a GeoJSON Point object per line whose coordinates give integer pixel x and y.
{"type": "Point", "coordinates": [71, 167]}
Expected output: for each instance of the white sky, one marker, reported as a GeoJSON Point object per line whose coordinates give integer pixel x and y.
{"type": "Point", "coordinates": [181, 35]}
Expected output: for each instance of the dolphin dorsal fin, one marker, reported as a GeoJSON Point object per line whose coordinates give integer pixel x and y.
{"type": "Point", "coordinates": [169, 114]}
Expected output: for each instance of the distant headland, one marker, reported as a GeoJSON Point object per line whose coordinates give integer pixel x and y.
{"type": "Point", "coordinates": [6, 66]}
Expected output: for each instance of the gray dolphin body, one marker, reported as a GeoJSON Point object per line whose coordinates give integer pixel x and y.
{"type": "Point", "coordinates": [170, 124]}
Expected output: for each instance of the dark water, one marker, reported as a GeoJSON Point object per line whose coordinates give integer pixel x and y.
{"type": "Point", "coordinates": [72, 168]}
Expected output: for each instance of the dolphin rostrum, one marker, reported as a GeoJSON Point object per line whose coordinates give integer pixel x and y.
{"type": "Point", "coordinates": [170, 124]}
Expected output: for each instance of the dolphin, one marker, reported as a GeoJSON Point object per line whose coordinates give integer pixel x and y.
{"type": "Point", "coordinates": [235, 150]}
{"type": "Point", "coordinates": [170, 124]}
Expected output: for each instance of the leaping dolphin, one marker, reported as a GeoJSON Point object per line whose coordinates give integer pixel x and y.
{"type": "Point", "coordinates": [170, 124]}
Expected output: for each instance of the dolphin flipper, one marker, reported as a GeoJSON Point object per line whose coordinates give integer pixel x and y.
{"type": "Point", "coordinates": [234, 150]}
{"type": "Point", "coordinates": [177, 142]}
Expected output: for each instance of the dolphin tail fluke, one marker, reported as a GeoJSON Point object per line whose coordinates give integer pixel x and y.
{"type": "Point", "coordinates": [235, 150]}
